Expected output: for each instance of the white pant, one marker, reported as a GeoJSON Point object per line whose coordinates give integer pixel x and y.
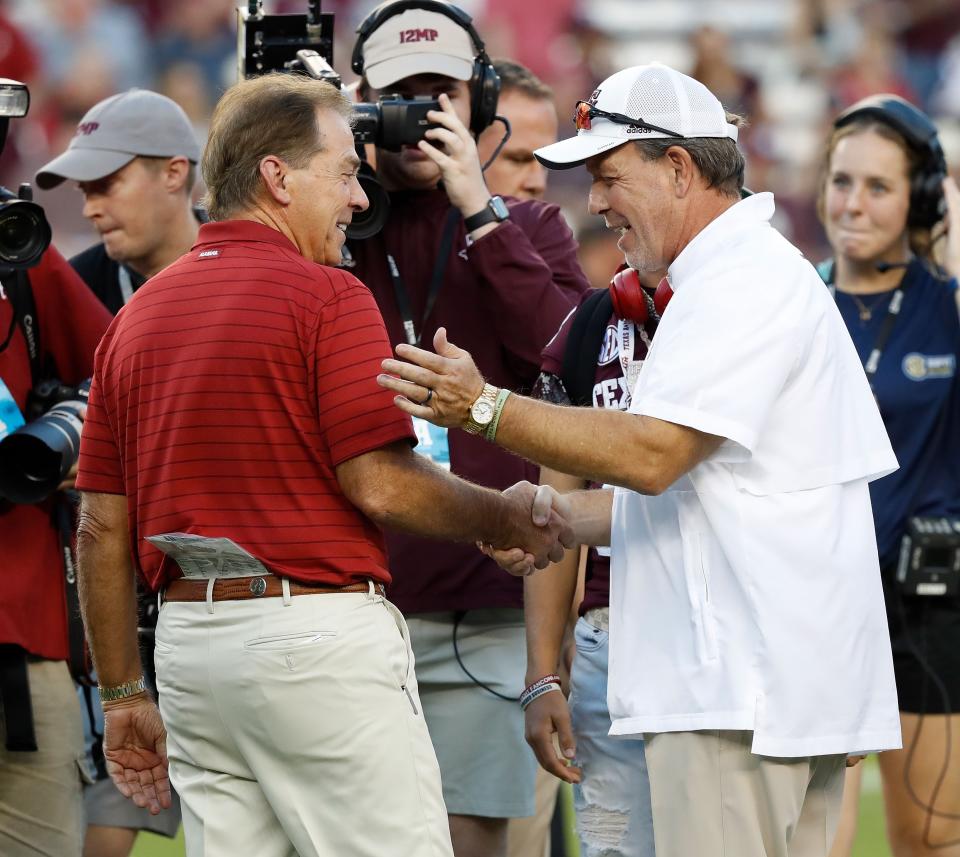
{"type": "Point", "coordinates": [296, 729]}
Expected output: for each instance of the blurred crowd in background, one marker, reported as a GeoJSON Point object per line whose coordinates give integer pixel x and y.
{"type": "Point", "coordinates": [788, 66]}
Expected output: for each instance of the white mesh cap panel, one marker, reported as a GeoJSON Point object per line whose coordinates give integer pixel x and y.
{"type": "Point", "coordinates": [653, 98]}
{"type": "Point", "coordinates": [661, 96]}
{"type": "Point", "coordinates": [706, 113]}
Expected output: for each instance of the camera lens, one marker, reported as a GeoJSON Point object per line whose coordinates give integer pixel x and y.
{"type": "Point", "coordinates": [366, 224]}
{"type": "Point", "coordinates": [15, 233]}
{"type": "Point", "coordinates": [36, 458]}
{"type": "Point", "coordinates": [24, 233]}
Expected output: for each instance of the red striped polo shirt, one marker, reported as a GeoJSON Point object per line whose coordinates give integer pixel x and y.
{"type": "Point", "coordinates": [224, 396]}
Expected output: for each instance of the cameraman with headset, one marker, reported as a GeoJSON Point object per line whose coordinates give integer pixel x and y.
{"type": "Point", "coordinates": [881, 200]}
{"type": "Point", "coordinates": [50, 324]}
{"type": "Point", "coordinates": [501, 276]}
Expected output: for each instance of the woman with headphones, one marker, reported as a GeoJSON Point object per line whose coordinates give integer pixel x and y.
{"type": "Point", "coordinates": [882, 202]}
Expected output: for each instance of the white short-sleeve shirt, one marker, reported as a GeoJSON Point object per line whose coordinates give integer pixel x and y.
{"type": "Point", "coordinates": [747, 595]}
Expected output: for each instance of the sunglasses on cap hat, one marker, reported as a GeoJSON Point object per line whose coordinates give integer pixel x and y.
{"type": "Point", "coordinates": [585, 113]}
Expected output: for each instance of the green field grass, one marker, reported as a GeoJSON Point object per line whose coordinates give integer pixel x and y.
{"type": "Point", "coordinates": [870, 840]}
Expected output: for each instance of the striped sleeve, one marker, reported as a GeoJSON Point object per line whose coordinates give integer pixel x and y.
{"type": "Point", "coordinates": [99, 468]}
{"type": "Point", "coordinates": [357, 415]}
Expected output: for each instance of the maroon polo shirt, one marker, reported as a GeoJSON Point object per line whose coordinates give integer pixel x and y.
{"type": "Point", "coordinates": [501, 299]}
{"type": "Point", "coordinates": [609, 391]}
{"type": "Point", "coordinates": [224, 396]}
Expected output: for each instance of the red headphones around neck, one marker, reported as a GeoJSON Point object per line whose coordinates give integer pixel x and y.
{"type": "Point", "coordinates": [631, 302]}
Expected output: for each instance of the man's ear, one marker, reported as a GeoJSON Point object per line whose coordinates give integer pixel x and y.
{"type": "Point", "coordinates": [683, 171]}
{"type": "Point", "coordinates": [175, 173]}
{"type": "Point", "coordinates": [274, 173]}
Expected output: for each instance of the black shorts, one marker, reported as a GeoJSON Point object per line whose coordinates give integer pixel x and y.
{"type": "Point", "coordinates": [925, 636]}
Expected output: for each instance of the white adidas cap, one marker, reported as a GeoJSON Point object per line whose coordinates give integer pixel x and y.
{"type": "Point", "coordinates": [650, 102]}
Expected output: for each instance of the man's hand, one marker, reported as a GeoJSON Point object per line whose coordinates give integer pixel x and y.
{"type": "Point", "coordinates": [546, 716]}
{"type": "Point", "coordinates": [70, 480]}
{"type": "Point", "coordinates": [135, 750]}
{"type": "Point", "coordinates": [439, 387]}
{"type": "Point", "coordinates": [543, 505]}
{"type": "Point", "coordinates": [458, 160]}
{"type": "Point", "coordinates": [539, 532]}
{"type": "Point", "coordinates": [853, 761]}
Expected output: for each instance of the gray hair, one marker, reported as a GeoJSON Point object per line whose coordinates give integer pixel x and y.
{"type": "Point", "coordinates": [718, 159]}
{"type": "Point", "coordinates": [274, 114]}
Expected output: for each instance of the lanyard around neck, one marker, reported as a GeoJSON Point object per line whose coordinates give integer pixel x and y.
{"type": "Point", "coordinates": [436, 281]}
{"type": "Point", "coordinates": [883, 335]}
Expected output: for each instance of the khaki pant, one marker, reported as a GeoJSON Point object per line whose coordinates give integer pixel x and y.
{"type": "Point", "coordinates": [530, 837]}
{"type": "Point", "coordinates": [295, 728]}
{"type": "Point", "coordinates": [712, 797]}
{"type": "Point", "coordinates": [41, 801]}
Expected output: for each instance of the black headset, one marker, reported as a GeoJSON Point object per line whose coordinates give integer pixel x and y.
{"type": "Point", "coordinates": [927, 205]}
{"type": "Point", "coordinates": [485, 82]}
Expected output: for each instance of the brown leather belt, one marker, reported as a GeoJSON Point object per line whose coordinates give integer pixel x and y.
{"type": "Point", "coordinates": [264, 586]}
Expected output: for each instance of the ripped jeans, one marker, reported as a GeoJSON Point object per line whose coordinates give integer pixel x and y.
{"type": "Point", "coordinates": [613, 800]}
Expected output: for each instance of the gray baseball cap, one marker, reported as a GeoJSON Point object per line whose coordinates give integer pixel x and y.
{"type": "Point", "coordinates": [117, 130]}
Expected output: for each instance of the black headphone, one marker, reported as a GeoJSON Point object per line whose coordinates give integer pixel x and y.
{"type": "Point", "coordinates": [485, 82]}
{"type": "Point", "coordinates": [927, 205]}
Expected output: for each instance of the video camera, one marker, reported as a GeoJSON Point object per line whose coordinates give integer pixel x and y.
{"type": "Point", "coordinates": [304, 44]}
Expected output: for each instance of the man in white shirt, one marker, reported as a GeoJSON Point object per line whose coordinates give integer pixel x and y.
{"type": "Point", "coordinates": [748, 640]}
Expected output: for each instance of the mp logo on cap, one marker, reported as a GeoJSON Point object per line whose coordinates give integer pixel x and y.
{"type": "Point", "coordinates": [87, 128]}
{"type": "Point", "coordinates": [408, 36]}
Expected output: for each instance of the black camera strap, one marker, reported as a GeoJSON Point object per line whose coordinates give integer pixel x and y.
{"type": "Point", "coordinates": [65, 512]}
{"type": "Point", "coordinates": [15, 695]}
{"type": "Point", "coordinates": [436, 281]}
{"type": "Point", "coordinates": [20, 294]}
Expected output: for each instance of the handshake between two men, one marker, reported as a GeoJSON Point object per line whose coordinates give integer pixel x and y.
{"type": "Point", "coordinates": [447, 389]}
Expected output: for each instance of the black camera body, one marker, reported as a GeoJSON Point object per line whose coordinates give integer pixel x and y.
{"type": "Point", "coordinates": [394, 122]}
{"type": "Point", "coordinates": [36, 457]}
{"type": "Point", "coordinates": [24, 231]}
{"type": "Point", "coordinates": [929, 562]}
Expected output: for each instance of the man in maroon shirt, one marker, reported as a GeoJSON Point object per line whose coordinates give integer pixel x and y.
{"type": "Point", "coordinates": [500, 276]}
{"type": "Point", "coordinates": [239, 454]}
{"type": "Point", "coordinates": [41, 803]}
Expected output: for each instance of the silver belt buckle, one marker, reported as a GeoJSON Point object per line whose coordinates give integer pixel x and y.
{"type": "Point", "coordinates": [258, 586]}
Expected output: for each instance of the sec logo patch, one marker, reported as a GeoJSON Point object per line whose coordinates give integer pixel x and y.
{"type": "Point", "coordinates": [610, 349]}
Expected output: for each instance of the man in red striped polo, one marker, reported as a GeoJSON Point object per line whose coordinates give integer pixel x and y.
{"type": "Point", "coordinates": [239, 455]}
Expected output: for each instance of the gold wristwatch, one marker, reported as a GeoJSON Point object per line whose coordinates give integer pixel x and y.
{"type": "Point", "coordinates": [123, 691]}
{"type": "Point", "coordinates": [482, 410]}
